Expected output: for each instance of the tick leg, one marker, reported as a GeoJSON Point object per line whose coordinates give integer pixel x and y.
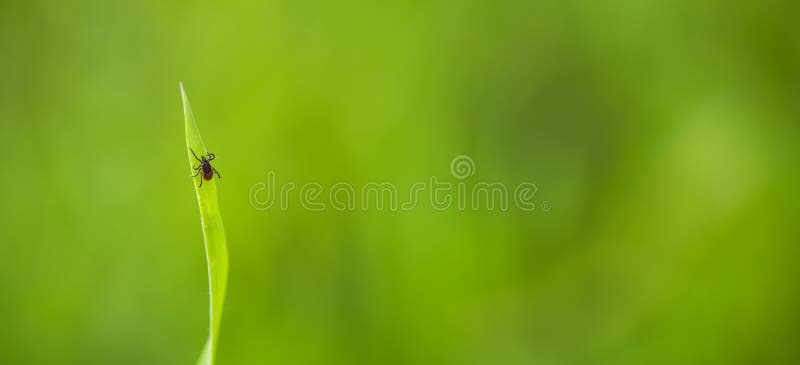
{"type": "Point", "coordinates": [195, 155]}
{"type": "Point", "coordinates": [211, 156]}
{"type": "Point", "coordinates": [196, 173]}
{"type": "Point", "coordinates": [217, 172]}
{"type": "Point", "coordinates": [201, 183]}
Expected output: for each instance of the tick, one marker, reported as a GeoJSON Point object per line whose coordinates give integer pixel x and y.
{"type": "Point", "coordinates": [205, 167]}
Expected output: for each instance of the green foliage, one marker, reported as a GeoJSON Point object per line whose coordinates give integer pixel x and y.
{"type": "Point", "coordinates": [664, 133]}
{"type": "Point", "coordinates": [213, 235]}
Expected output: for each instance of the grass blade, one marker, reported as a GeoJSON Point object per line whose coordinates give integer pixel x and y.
{"type": "Point", "coordinates": [213, 235]}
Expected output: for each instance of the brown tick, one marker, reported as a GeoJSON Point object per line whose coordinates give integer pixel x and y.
{"type": "Point", "coordinates": [205, 167]}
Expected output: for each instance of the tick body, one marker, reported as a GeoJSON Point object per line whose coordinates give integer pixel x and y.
{"type": "Point", "coordinates": [205, 169]}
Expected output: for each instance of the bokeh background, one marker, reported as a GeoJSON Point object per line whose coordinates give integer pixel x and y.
{"type": "Point", "coordinates": [664, 134]}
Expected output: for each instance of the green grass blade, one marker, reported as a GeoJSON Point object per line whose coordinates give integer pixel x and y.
{"type": "Point", "coordinates": [213, 235]}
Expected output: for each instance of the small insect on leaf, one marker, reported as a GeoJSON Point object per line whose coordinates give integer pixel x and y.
{"type": "Point", "coordinates": [213, 231]}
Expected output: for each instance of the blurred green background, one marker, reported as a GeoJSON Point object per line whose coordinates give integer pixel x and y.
{"type": "Point", "coordinates": [664, 133]}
